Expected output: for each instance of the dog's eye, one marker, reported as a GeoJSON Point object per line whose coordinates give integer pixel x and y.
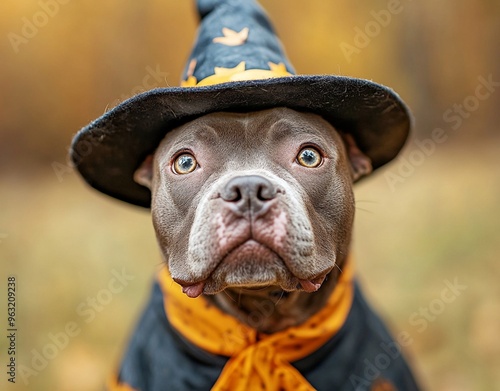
{"type": "Point", "coordinates": [309, 157]}
{"type": "Point", "coordinates": [184, 164]}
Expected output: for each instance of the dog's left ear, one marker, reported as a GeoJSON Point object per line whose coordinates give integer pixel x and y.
{"type": "Point", "coordinates": [144, 174]}
{"type": "Point", "coordinates": [361, 165]}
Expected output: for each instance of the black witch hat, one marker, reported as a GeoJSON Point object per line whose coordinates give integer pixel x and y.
{"type": "Point", "coordinates": [237, 65]}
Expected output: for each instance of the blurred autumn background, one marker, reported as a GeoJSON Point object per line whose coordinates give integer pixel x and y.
{"type": "Point", "coordinates": [427, 220]}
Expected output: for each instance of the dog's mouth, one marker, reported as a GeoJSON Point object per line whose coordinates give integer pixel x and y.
{"type": "Point", "coordinates": [265, 268]}
{"type": "Point", "coordinates": [194, 290]}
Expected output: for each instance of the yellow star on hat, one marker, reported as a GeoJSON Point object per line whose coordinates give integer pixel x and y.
{"type": "Point", "coordinates": [232, 38]}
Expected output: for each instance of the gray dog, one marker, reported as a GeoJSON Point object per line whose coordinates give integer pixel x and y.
{"type": "Point", "coordinates": [252, 209]}
{"type": "Point", "coordinates": [248, 170]}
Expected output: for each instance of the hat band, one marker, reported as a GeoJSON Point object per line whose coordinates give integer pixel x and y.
{"type": "Point", "coordinates": [238, 73]}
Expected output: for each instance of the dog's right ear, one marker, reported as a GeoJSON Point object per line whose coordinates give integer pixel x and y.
{"type": "Point", "coordinates": [361, 165]}
{"type": "Point", "coordinates": [144, 174]}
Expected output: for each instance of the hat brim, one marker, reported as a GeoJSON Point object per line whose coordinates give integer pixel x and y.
{"type": "Point", "coordinates": [109, 150]}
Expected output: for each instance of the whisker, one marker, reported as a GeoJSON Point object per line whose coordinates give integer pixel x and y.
{"type": "Point", "coordinates": [368, 201]}
{"type": "Point", "coordinates": [228, 295]}
{"type": "Point", "coordinates": [365, 202]}
{"type": "Point", "coordinates": [364, 210]}
{"type": "Point", "coordinates": [281, 296]}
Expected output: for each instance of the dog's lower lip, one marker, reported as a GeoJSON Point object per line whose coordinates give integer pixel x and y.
{"type": "Point", "coordinates": [194, 290]}
{"type": "Point", "coordinates": [309, 286]}
{"type": "Point", "coordinates": [191, 289]}
{"type": "Point", "coordinates": [312, 285]}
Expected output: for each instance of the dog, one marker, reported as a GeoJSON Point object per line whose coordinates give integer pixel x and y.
{"type": "Point", "coordinates": [248, 170]}
{"type": "Point", "coordinates": [254, 212]}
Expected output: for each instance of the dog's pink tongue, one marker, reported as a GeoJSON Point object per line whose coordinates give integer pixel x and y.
{"type": "Point", "coordinates": [309, 286]}
{"type": "Point", "coordinates": [194, 290]}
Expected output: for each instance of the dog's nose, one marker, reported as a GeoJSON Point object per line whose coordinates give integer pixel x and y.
{"type": "Point", "coordinates": [249, 192]}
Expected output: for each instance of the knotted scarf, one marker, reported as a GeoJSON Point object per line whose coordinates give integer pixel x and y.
{"type": "Point", "coordinates": [256, 361]}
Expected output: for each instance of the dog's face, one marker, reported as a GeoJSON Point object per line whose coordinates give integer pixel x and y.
{"type": "Point", "coordinates": [254, 199]}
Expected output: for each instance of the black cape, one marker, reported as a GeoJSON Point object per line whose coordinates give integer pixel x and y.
{"type": "Point", "coordinates": [361, 356]}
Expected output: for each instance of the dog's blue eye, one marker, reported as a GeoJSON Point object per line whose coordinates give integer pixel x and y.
{"type": "Point", "coordinates": [309, 157]}
{"type": "Point", "coordinates": [184, 164]}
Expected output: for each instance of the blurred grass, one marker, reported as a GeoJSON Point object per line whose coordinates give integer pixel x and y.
{"type": "Point", "coordinates": [62, 241]}
{"type": "Point", "coordinates": [441, 224]}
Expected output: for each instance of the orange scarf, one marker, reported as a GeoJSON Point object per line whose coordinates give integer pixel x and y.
{"type": "Point", "coordinates": [257, 361]}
